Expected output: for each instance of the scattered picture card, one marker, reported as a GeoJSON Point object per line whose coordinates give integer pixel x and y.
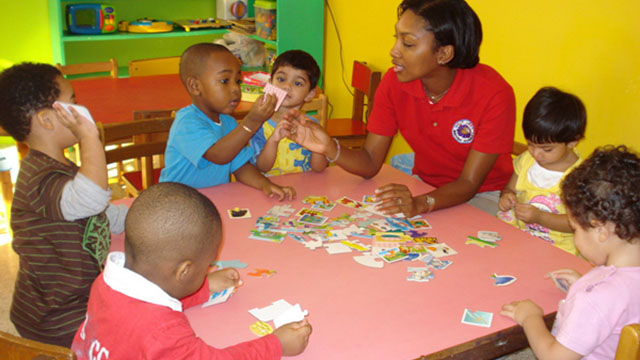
{"type": "Point", "coordinates": [440, 250]}
{"type": "Point", "coordinates": [392, 255]}
{"type": "Point", "coordinates": [277, 92]}
{"type": "Point", "coordinates": [561, 284]}
{"type": "Point", "coordinates": [79, 108]}
{"type": "Point", "coordinates": [492, 236]}
{"type": "Point", "coordinates": [268, 235]}
{"type": "Point", "coordinates": [419, 224]}
{"type": "Point", "coordinates": [219, 297]}
{"type": "Point", "coordinates": [419, 274]}
{"type": "Point", "coordinates": [238, 213]}
{"type": "Point", "coordinates": [477, 318]}
{"type": "Point", "coordinates": [312, 219]}
{"type": "Point", "coordinates": [349, 202]}
{"type": "Point", "coordinates": [306, 211]}
{"type": "Point", "coordinates": [503, 280]}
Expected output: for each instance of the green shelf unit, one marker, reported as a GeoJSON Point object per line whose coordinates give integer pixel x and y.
{"type": "Point", "coordinates": [300, 25]}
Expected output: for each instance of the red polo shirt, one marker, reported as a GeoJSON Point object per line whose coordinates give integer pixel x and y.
{"type": "Point", "coordinates": [477, 112]}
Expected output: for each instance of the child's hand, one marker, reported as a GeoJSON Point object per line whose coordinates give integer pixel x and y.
{"type": "Point", "coordinates": [282, 130]}
{"type": "Point", "coordinates": [527, 213]}
{"type": "Point", "coordinates": [81, 127]}
{"type": "Point", "coordinates": [508, 201]}
{"type": "Point", "coordinates": [261, 110]}
{"type": "Point", "coordinates": [293, 337]}
{"type": "Point", "coordinates": [223, 279]}
{"type": "Point", "coordinates": [569, 276]}
{"type": "Point", "coordinates": [520, 311]}
{"type": "Point", "coordinates": [270, 189]}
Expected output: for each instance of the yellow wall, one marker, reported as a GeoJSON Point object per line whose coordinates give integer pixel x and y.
{"type": "Point", "coordinates": [24, 29]}
{"type": "Point", "coordinates": [590, 48]}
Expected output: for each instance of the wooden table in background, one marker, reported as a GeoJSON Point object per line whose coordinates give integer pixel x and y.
{"type": "Point", "coordinates": [361, 312]}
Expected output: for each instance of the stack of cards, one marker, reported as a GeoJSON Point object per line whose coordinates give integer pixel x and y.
{"type": "Point", "coordinates": [277, 92]}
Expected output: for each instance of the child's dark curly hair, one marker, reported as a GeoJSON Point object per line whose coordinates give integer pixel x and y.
{"type": "Point", "coordinates": [25, 89]}
{"type": "Point", "coordinates": [606, 187]}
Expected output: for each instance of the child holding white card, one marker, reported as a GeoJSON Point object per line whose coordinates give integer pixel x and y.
{"type": "Point", "coordinates": [601, 196]}
{"type": "Point", "coordinates": [295, 74]}
{"type": "Point", "coordinates": [136, 305]}
{"type": "Point", "coordinates": [61, 216]}
{"type": "Point", "coordinates": [205, 144]}
{"type": "Point", "coordinates": [553, 123]}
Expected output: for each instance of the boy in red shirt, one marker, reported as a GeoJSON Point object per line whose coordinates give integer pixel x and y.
{"type": "Point", "coordinates": [172, 235]}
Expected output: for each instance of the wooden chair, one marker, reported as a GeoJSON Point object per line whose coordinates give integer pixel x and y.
{"type": "Point", "coordinates": [155, 66]}
{"type": "Point", "coordinates": [318, 106]}
{"type": "Point", "coordinates": [18, 348]}
{"type": "Point", "coordinates": [629, 343]}
{"type": "Point", "coordinates": [142, 149]}
{"type": "Point", "coordinates": [93, 69]}
{"type": "Point", "coordinates": [352, 132]}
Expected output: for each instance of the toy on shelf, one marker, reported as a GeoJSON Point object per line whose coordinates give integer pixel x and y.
{"type": "Point", "coordinates": [232, 9]}
{"type": "Point", "coordinates": [210, 23]}
{"type": "Point", "coordinates": [149, 26]}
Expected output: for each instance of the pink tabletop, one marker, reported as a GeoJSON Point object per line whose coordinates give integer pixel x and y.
{"type": "Point", "coordinates": [358, 311]}
{"type": "Point", "coordinates": [114, 100]}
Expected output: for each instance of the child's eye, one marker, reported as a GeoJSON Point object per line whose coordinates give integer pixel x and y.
{"type": "Point", "coordinates": [297, 83]}
{"type": "Point", "coordinates": [224, 81]}
{"type": "Point", "coordinates": [280, 79]}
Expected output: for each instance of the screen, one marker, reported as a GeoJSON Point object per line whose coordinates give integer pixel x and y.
{"type": "Point", "coordinates": [86, 17]}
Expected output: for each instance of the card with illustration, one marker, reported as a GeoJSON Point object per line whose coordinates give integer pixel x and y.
{"type": "Point", "coordinates": [238, 213]}
{"type": "Point", "coordinates": [489, 236]}
{"type": "Point", "coordinates": [312, 219]}
{"type": "Point", "coordinates": [440, 250]}
{"type": "Point", "coordinates": [419, 224]}
{"type": "Point", "coordinates": [419, 274]}
{"type": "Point", "coordinates": [307, 211]}
{"type": "Point", "coordinates": [369, 199]}
{"type": "Point", "coordinates": [280, 94]}
{"type": "Point", "coordinates": [346, 201]}
{"type": "Point", "coordinates": [425, 240]}
{"type": "Point", "coordinates": [322, 206]}
{"type": "Point", "coordinates": [503, 280]}
{"type": "Point", "coordinates": [380, 225]}
{"type": "Point", "coordinates": [268, 235]}
{"type": "Point", "coordinates": [477, 318]}
{"type": "Point", "coordinates": [392, 255]}
{"type": "Point", "coordinates": [398, 223]}
{"type": "Point", "coordinates": [267, 221]}
{"type": "Point", "coordinates": [439, 264]}
{"type": "Point", "coordinates": [561, 284]}
{"type": "Point", "coordinates": [219, 297]}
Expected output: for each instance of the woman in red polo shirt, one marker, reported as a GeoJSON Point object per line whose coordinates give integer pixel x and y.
{"type": "Point", "coordinates": [457, 115]}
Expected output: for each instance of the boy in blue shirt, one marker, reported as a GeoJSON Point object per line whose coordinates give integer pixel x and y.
{"type": "Point", "coordinates": [297, 73]}
{"type": "Point", "coordinates": [205, 144]}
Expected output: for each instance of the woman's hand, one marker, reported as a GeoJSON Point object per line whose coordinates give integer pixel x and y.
{"type": "Point", "coordinates": [396, 198]}
{"type": "Point", "coordinates": [309, 134]}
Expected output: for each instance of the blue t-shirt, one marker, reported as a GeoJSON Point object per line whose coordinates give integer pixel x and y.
{"type": "Point", "coordinates": [191, 135]}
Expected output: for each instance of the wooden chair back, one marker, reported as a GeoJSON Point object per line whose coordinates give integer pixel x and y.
{"type": "Point", "coordinates": [95, 68]}
{"type": "Point", "coordinates": [352, 132]}
{"type": "Point", "coordinates": [17, 348]}
{"type": "Point", "coordinates": [142, 149]}
{"type": "Point", "coordinates": [154, 66]}
{"type": "Point", "coordinates": [319, 106]}
{"type": "Point", "coordinates": [629, 343]}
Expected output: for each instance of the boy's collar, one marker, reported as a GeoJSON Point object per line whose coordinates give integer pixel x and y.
{"type": "Point", "coordinates": [134, 285]}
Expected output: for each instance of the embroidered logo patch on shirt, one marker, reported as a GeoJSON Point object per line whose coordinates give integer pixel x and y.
{"type": "Point", "coordinates": [463, 131]}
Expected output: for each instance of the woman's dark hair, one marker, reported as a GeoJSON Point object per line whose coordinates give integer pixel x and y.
{"type": "Point", "coordinates": [25, 89]}
{"type": "Point", "coordinates": [554, 116]}
{"type": "Point", "coordinates": [606, 187]}
{"type": "Point", "coordinates": [452, 22]}
{"type": "Point", "coordinates": [300, 60]}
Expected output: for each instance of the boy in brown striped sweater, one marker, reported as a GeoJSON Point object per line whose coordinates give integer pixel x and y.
{"type": "Point", "coordinates": [61, 216]}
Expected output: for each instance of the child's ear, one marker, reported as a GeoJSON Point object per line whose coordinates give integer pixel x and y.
{"type": "Point", "coordinates": [572, 144]}
{"type": "Point", "coordinates": [45, 118]}
{"type": "Point", "coordinates": [310, 95]}
{"type": "Point", "coordinates": [604, 230]}
{"type": "Point", "coordinates": [193, 85]}
{"type": "Point", "coordinates": [184, 270]}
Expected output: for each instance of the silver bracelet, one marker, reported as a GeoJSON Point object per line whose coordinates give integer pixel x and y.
{"type": "Point", "coordinates": [337, 153]}
{"type": "Point", "coordinates": [247, 128]}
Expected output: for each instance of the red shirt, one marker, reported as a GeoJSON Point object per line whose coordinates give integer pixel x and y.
{"type": "Point", "coordinates": [119, 326]}
{"type": "Point", "coordinates": [477, 112]}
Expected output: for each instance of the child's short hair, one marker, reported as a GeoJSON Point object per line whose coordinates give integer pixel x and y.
{"type": "Point", "coordinates": [195, 57]}
{"type": "Point", "coordinates": [300, 60]}
{"type": "Point", "coordinates": [554, 116]}
{"type": "Point", "coordinates": [170, 221]}
{"type": "Point", "coordinates": [24, 90]}
{"type": "Point", "coordinates": [606, 187]}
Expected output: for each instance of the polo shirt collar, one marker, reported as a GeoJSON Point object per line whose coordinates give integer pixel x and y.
{"type": "Point", "coordinates": [455, 95]}
{"type": "Point", "coordinates": [134, 285]}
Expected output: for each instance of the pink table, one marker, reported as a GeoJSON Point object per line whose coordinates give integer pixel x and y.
{"type": "Point", "coordinates": [358, 311]}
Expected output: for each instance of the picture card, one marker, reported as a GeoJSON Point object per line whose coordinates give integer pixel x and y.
{"type": "Point", "coordinates": [312, 219]}
{"type": "Point", "coordinates": [440, 250]}
{"type": "Point", "coordinates": [307, 211]}
{"type": "Point", "coordinates": [489, 236]}
{"type": "Point", "coordinates": [392, 255]}
{"type": "Point", "coordinates": [561, 284]}
{"type": "Point", "coordinates": [503, 280]}
{"type": "Point", "coordinates": [419, 224]}
{"type": "Point", "coordinates": [419, 274]}
{"type": "Point", "coordinates": [219, 297]}
{"type": "Point", "coordinates": [268, 235]}
{"type": "Point", "coordinates": [349, 202]}
{"type": "Point", "coordinates": [238, 213]}
{"type": "Point", "coordinates": [280, 94]}
{"type": "Point", "coordinates": [79, 108]}
{"type": "Point", "coordinates": [477, 318]}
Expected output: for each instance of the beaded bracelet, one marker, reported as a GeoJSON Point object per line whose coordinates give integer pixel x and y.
{"type": "Point", "coordinates": [337, 153]}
